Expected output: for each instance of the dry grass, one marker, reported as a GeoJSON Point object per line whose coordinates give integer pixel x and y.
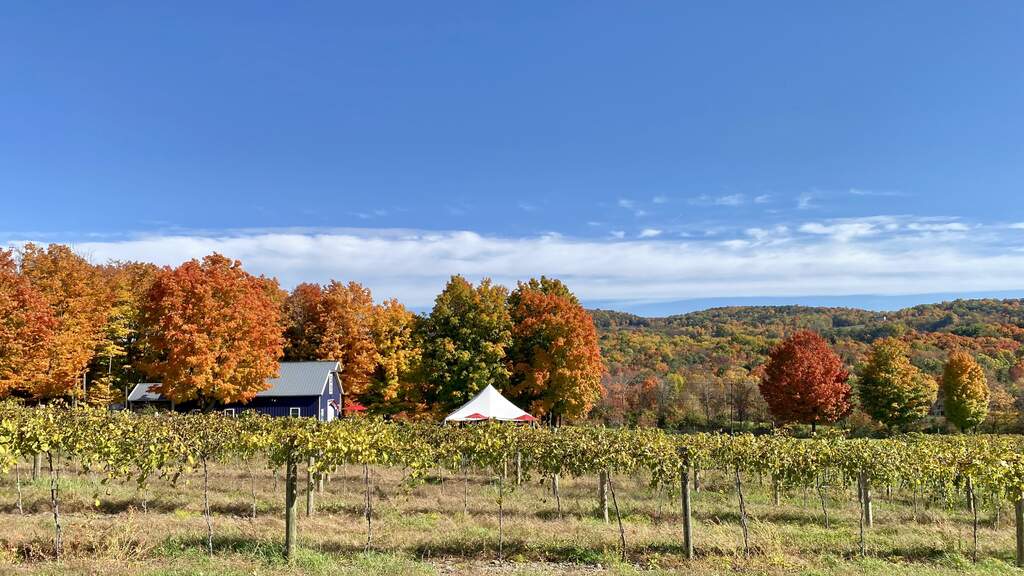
{"type": "Point", "coordinates": [422, 530]}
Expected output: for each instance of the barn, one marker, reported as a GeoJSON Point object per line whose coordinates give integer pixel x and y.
{"type": "Point", "coordinates": [301, 389]}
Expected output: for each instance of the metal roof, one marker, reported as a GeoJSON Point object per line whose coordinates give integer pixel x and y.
{"type": "Point", "coordinates": [301, 379]}
{"type": "Point", "coordinates": [141, 393]}
{"type": "Point", "coordinates": [294, 379]}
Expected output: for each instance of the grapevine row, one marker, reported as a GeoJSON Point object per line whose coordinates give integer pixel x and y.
{"type": "Point", "coordinates": [130, 447]}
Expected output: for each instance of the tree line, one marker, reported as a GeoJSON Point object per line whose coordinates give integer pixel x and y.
{"type": "Point", "coordinates": [209, 332]}
{"type": "Point", "coordinates": [805, 381]}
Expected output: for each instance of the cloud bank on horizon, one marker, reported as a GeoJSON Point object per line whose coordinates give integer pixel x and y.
{"type": "Point", "coordinates": [883, 255]}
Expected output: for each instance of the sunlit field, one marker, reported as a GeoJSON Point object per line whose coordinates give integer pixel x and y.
{"type": "Point", "coordinates": [450, 523]}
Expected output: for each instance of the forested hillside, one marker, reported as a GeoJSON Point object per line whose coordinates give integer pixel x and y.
{"type": "Point", "coordinates": [702, 367]}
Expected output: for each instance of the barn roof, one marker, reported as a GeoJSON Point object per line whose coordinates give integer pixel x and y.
{"type": "Point", "coordinates": [294, 379]}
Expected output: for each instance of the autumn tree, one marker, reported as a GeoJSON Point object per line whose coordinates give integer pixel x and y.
{"type": "Point", "coordinates": [78, 302]}
{"type": "Point", "coordinates": [116, 366]}
{"type": "Point", "coordinates": [964, 390]}
{"type": "Point", "coordinates": [555, 358]}
{"type": "Point", "coordinates": [804, 381]}
{"type": "Point", "coordinates": [26, 330]}
{"type": "Point", "coordinates": [345, 322]}
{"type": "Point", "coordinates": [304, 331]}
{"type": "Point", "coordinates": [213, 331]}
{"type": "Point", "coordinates": [465, 341]}
{"type": "Point", "coordinates": [892, 390]}
{"type": "Point", "coordinates": [392, 387]}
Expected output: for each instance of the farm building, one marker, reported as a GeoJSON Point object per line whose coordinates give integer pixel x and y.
{"type": "Point", "coordinates": [302, 389]}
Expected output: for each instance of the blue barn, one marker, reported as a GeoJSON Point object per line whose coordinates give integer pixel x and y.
{"type": "Point", "coordinates": [302, 389]}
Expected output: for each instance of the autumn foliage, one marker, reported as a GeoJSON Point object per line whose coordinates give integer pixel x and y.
{"type": "Point", "coordinates": [555, 357]}
{"type": "Point", "coordinates": [805, 381]}
{"type": "Point", "coordinates": [26, 330]}
{"type": "Point", "coordinates": [892, 390]}
{"type": "Point", "coordinates": [345, 325]}
{"type": "Point", "coordinates": [214, 331]}
{"type": "Point", "coordinates": [965, 391]}
{"type": "Point", "coordinates": [77, 299]}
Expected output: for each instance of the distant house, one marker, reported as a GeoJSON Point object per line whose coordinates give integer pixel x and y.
{"type": "Point", "coordinates": [302, 389]}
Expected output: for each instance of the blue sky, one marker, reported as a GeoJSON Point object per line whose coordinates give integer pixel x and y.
{"type": "Point", "coordinates": [659, 156]}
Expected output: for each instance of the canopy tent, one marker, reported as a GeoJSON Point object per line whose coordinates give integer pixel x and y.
{"type": "Point", "coordinates": [489, 404]}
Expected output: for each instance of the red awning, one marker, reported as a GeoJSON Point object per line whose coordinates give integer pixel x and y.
{"type": "Point", "coordinates": [525, 418]}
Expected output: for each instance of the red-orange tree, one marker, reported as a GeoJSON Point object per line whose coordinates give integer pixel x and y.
{"type": "Point", "coordinates": [26, 329]}
{"type": "Point", "coordinates": [302, 316]}
{"type": "Point", "coordinates": [555, 357]}
{"type": "Point", "coordinates": [345, 323]}
{"type": "Point", "coordinates": [214, 331]}
{"type": "Point", "coordinates": [78, 301]}
{"type": "Point", "coordinates": [805, 381]}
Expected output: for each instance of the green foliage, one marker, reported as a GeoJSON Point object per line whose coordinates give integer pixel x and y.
{"type": "Point", "coordinates": [465, 339]}
{"type": "Point", "coordinates": [892, 390]}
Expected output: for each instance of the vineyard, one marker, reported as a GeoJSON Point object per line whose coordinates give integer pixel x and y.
{"type": "Point", "coordinates": [981, 474]}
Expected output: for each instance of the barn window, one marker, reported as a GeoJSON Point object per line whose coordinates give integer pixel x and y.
{"type": "Point", "coordinates": [295, 412]}
{"type": "Point", "coordinates": [229, 412]}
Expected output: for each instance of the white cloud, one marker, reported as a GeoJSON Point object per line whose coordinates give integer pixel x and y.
{"type": "Point", "coordinates": [659, 200]}
{"type": "Point", "coordinates": [777, 234]}
{"type": "Point", "coordinates": [841, 231]}
{"type": "Point", "coordinates": [762, 198]}
{"type": "Point", "coordinates": [938, 227]}
{"type": "Point", "coordinates": [1017, 226]}
{"type": "Point", "coordinates": [826, 258]}
{"type": "Point", "coordinates": [632, 207]}
{"type": "Point", "coordinates": [726, 200]}
{"type": "Point", "coordinates": [863, 192]}
{"type": "Point", "coordinates": [650, 233]}
{"type": "Point", "coordinates": [803, 201]}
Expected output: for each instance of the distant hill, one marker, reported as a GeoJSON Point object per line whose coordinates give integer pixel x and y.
{"type": "Point", "coordinates": [719, 347]}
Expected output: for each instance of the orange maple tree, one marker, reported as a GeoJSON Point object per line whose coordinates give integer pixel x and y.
{"type": "Point", "coordinates": [302, 315]}
{"type": "Point", "coordinates": [805, 381]}
{"type": "Point", "coordinates": [26, 329]}
{"type": "Point", "coordinates": [345, 322]}
{"type": "Point", "coordinates": [555, 358]}
{"type": "Point", "coordinates": [213, 331]}
{"type": "Point", "coordinates": [78, 301]}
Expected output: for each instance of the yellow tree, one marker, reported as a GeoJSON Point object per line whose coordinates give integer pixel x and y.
{"type": "Point", "coordinates": [891, 389]}
{"type": "Point", "coordinates": [212, 331]}
{"type": "Point", "coordinates": [73, 290]}
{"type": "Point", "coordinates": [390, 389]}
{"type": "Point", "coordinates": [115, 366]}
{"type": "Point", "coordinates": [965, 391]}
{"type": "Point", "coordinates": [26, 329]}
{"type": "Point", "coordinates": [345, 321]}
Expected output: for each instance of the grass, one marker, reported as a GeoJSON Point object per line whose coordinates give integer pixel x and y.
{"type": "Point", "coordinates": [160, 530]}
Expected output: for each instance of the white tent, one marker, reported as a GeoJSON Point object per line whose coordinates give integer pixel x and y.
{"type": "Point", "coordinates": [489, 404]}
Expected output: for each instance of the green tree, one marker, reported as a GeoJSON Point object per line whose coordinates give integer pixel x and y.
{"type": "Point", "coordinates": [465, 339]}
{"type": "Point", "coordinates": [965, 391]}
{"type": "Point", "coordinates": [892, 390]}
